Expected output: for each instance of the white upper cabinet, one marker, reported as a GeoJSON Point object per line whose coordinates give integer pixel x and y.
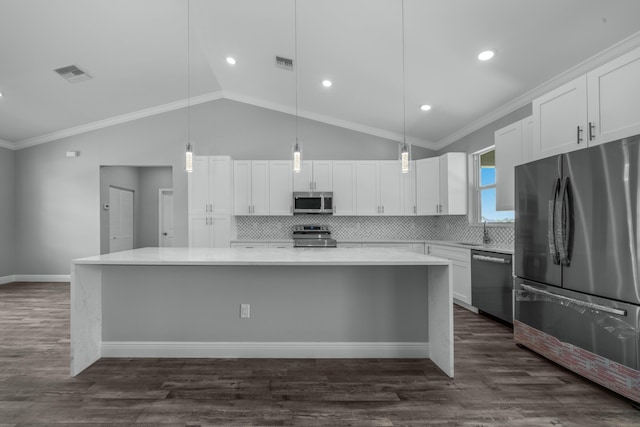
{"type": "Point", "coordinates": [595, 108]}
{"type": "Point", "coordinates": [428, 186]}
{"type": "Point", "coordinates": [614, 99]}
{"type": "Point", "coordinates": [210, 185]}
{"type": "Point", "coordinates": [409, 207]}
{"type": "Point", "coordinates": [453, 184]}
{"type": "Point", "coordinates": [315, 175]}
{"type": "Point", "coordinates": [560, 119]}
{"type": "Point", "coordinates": [512, 144]}
{"type": "Point", "coordinates": [441, 185]}
{"type": "Point", "coordinates": [281, 187]}
{"type": "Point", "coordinates": [379, 188]}
{"type": "Point", "coordinates": [367, 191]}
{"type": "Point", "coordinates": [344, 193]}
{"type": "Point", "coordinates": [251, 187]}
{"type": "Point", "coordinates": [390, 180]}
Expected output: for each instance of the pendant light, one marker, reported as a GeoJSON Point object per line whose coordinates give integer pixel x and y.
{"type": "Point", "coordinates": [297, 148]}
{"type": "Point", "coordinates": [404, 149]}
{"type": "Point", "coordinates": [188, 160]}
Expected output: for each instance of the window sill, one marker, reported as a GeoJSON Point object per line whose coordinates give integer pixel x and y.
{"type": "Point", "coordinates": [493, 224]}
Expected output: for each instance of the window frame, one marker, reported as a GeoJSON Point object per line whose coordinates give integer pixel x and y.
{"type": "Point", "coordinates": [475, 204]}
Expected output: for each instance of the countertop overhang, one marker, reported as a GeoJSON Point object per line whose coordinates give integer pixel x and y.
{"type": "Point", "coordinates": [262, 256]}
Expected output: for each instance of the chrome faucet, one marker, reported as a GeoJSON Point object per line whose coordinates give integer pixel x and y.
{"type": "Point", "coordinates": [485, 234]}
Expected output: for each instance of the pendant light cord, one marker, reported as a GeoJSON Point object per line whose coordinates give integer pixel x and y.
{"type": "Point", "coordinates": [295, 53]}
{"type": "Point", "coordinates": [404, 83]}
{"type": "Point", "coordinates": [189, 72]}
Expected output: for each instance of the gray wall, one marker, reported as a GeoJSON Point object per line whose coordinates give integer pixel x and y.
{"type": "Point", "coordinates": [7, 212]}
{"type": "Point", "coordinates": [58, 198]}
{"type": "Point", "coordinates": [484, 137]}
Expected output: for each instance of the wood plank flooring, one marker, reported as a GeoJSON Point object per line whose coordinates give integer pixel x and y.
{"type": "Point", "coordinates": [496, 382]}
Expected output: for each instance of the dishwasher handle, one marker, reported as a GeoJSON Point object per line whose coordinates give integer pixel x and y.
{"type": "Point", "coordinates": [491, 259]}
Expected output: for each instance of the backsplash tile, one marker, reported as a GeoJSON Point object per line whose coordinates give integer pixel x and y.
{"type": "Point", "coordinates": [342, 227]}
{"type": "Point", "coordinates": [449, 227]}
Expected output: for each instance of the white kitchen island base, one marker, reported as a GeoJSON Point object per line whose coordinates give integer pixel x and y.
{"type": "Point", "coordinates": [184, 302]}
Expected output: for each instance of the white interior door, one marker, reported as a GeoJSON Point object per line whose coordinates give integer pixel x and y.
{"type": "Point", "coordinates": [166, 218]}
{"type": "Point", "coordinates": [120, 219]}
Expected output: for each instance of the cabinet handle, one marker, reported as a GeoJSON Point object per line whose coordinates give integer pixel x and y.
{"type": "Point", "coordinates": [579, 134]}
{"type": "Point", "coordinates": [440, 208]}
{"type": "Point", "coordinates": [592, 127]}
{"type": "Point", "coordinates": [382, 208]}
{"type": "Point", "coordinates": [415, 209]}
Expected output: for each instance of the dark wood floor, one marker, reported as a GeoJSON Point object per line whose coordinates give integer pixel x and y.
{"type": "Point", "coordinates": [496, 382]}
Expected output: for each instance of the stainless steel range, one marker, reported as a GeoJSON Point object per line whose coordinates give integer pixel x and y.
{"type": "Point", "coordinates": [312, 236]}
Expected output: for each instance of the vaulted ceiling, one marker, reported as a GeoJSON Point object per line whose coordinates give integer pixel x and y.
{"type": "Point", "coordinates": [384, 57]}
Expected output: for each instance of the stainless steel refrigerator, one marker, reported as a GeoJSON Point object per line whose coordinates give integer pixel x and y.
{"type": "Point", "coordinates": [577, 287]}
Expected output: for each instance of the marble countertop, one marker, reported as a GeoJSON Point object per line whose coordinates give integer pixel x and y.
{"type": "Point", "coordinates": [262, 256]}
{"type": "Point", "coordinates": [490, 247]}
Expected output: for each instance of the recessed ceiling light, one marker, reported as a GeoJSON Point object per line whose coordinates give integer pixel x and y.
{"type": "Point", "coordinates": [486, 55]}
{"type": "Point", "coordinates": [326, 83]}
{"type": "Point", "coordinates": [425, 107]}
{"type": "Point", "coordinates": [231, 61]}
{"type": "Point", "coordinates": [0, 94]}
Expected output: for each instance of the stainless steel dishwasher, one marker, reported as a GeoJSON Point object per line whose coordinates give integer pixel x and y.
{"type": "Point", "coordinates": [492, 284]}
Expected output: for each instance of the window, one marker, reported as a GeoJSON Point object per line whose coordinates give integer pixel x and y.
{"type": "Point", "coordinates": [484, 194]}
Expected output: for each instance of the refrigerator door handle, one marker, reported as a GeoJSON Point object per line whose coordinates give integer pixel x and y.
{"type": "Point", "coordinates": [580, 303]}
{"type": "Point", "coordinates": [564, 228]}
{"type": "Point", "coordinates": [551, 235]}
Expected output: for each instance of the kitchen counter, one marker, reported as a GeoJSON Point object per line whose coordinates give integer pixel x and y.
{"type": "Point", "coordinates": [490, 247]}
{"type": "Point", "coordinates": [183, 302]}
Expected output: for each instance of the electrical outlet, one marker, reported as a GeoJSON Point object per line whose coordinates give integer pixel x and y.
{"type": "Point", "coordinates": [245, 311]}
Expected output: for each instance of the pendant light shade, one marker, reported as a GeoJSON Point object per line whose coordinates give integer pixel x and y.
{"type": "Point", "coordinates": [188, 160]}
{"type": "Point", "coordinates": [297, 157]}
{"type": "Point", "coordinates": [404, 155]}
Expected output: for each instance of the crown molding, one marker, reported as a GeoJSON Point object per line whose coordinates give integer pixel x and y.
{"type": "Point", "coordinates": [325, 119]}
{"type": "Point", "coordinates": [101, 124]}
{"type": "Point", "coordinates": [6, 144]}
{"type": "Point", "coordinates": [601, 58]}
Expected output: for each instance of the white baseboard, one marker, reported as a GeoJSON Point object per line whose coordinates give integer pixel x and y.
{"type": "Point", "coordinates": [7, 279]}
{"type": "Point", "coordinates": [42, 278]}
{"type": "Point", "coordinates": [303, 350]}
{"type": "Point", "coordinates": [465, 305]}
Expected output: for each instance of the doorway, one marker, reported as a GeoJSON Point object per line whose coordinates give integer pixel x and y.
{"type": "Point", "coordinates": [165, 237]}
{"type": "Point", "coordinates": [121, 219]}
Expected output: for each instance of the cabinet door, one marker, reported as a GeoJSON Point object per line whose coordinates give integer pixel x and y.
{"type": "Point", "coordinates": [198, 184]}
{"type": "Point", "coordinates": [367, 191]}
{"type": "Point", "coordinates": [428, 186]}
{"type": "Point", "coordinates": [280, 187]}
{"type": "Point", "coordinates": [560, 120]}
{"type": "Point", "coordinates": [322, 175]}
{"type": "Point", "coordinates": [390, 184]}
{"type": "Point", "coordinates": [527, 140]}
{"type": "Point", "coordinates": [199, 230]}
{"type": "Point", "coordinates": [220, 226]}
{"type": "Point", "coordinates": [220, 184]}
{"type": "Point", "coordinates": [453, 184]}
{"type": "Point", "coordinates": [461, 259]}
{"type": "Point", "coordinates": [303, 180]}
{"type": "Point", "coordinates": [260, 187]}
{"type": "Point", "coordinates": [508, 141]}
{"type": "Point", "coordinates": [409, 192]}
{"type": "Point", "coordinates": [614, 99]}
{"type": "Point", "coordinates": [242, 187]}
{"type": "Point", "coordinates": [344, 193]}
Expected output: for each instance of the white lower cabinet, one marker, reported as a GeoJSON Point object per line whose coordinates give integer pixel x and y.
{"type": "Point", "coordinates": [209, 231]}
{"type": "Point", "coordinates": [461, 259]}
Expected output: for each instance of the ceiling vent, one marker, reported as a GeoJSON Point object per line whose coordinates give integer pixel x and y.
{"type": "Point", "coordinates": [284, 63]}
{"type": "Point", "coordinates": [72, 74]}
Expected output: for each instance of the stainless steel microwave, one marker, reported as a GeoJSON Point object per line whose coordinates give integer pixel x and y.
{"type": "Point", "coordinates": [312, 203]}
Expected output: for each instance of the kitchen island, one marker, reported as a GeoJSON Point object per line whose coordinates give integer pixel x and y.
{"type": "Point", "coordinates": [185, 302]}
